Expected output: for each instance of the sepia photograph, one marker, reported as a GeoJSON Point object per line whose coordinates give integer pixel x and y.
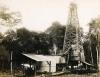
{"type": "Point", "coordinates": [49, 38]}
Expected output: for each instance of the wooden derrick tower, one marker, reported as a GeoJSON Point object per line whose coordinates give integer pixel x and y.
{"type": "Point", "coordinates": [72, 46]}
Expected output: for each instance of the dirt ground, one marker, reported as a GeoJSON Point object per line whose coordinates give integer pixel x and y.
{"type": "Point", "coordinates": [3, 74]}
{"type": "Point", "coordinates": [65, 75]}
{"type": "Point", "coordinates": [75, 75]}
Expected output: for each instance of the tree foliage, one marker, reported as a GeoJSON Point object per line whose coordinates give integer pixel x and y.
{"type": "Point", "coordinates": [56, 32]}
{"type": "Point", "coordinates": [92, 42]}
{"type": "Point", "coordinates": [24, 41]}
{"type": "Point", "coordinates": [8, 18]}
{"type": "Point", "coordinates": [94, 35]}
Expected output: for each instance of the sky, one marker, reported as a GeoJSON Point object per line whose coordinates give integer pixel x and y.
{"type": "Point", "coordinates": [38, 15]}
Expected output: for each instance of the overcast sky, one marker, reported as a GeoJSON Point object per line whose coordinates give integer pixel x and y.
{"type": "Point", "coordinates": [38, 15]}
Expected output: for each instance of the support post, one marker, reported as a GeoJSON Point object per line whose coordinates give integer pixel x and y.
{"type": "Point", "coordinates": [11, 64]}
{"type": "Point", "coordinates": [35, 70]}
{"type": "Point", "coordinates": [49, 63]}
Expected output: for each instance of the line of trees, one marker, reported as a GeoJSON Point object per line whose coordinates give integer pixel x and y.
{"type": "Point", "coordinates": [25, 41]}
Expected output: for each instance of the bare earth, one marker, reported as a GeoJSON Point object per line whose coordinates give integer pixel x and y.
{"type": "Point", "coordinates": [66, 75]}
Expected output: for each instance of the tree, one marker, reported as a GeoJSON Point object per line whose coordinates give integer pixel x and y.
{"type": "Point", "coordinates": [45, 43]}
{"type": "Point", "coordinates": [9, 19]}
{"type": "Point", "coordinates": [27, 40]}
{"type": "Point", "coordinates": [32, 42]}
{"type": "Point", "coordinates": [3, 54]}
{"type": "Point", "coordinates": [56, 32]}
{"type": "Point", "coordinates": [87, 49]}
{"type": "Point", "coordinates": [94, 33]}
{"type": "Point", "coordinates": [10, 37]}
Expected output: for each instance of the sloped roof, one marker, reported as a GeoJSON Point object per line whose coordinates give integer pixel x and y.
{"type": "Point", "coordinates": [42, 57]}
{"type": "Point", "coordinates": [87, 63]}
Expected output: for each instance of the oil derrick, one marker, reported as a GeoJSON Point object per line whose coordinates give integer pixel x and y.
{"type": "Point", "coordinates": [72, 41]}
